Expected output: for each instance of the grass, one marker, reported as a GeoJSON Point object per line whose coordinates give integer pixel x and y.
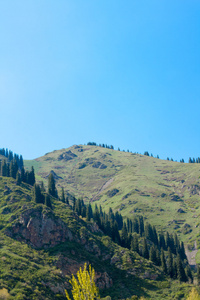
{"type": "Point", "coordinates": [146, 185]}
{"type": "Point", "coordinates": [28, 273]}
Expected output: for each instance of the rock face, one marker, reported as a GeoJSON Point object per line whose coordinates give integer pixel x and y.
{"type": "Point", "coordinates": [39, 228]}
{"type": "Point", "coordinates": [68, 155]}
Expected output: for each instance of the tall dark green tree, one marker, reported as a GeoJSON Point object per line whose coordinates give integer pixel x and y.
{"type": "Point", "coordinates": [135, 243]}
{"type": "Point", "coordinates": [18, 177]}
{"type": "Point", "coordinates": [163, 261]}
{"type": "Point", "coordinates": [145, 251]}
{"type": "Point", "coordinates": [189, 273]}
{"type": "Point", "coordinates": [152, 254]}
{"type": "Point", "coordinates": [170, 263]}
{"type": "Point", "coordinates": [48, 201]}
{"type": "Point", "coordinates": [51, 186]}
{"type": "Point", "coordinates": [198, 274]}
{"type": "Point", "coordinates": [180, 270]}
{"type": "Point", "coordinates": [62, 195]}
{"type": "Point", "coordinates": [38, 196]}
{"type": "Point", "coordinates": [124, 236]}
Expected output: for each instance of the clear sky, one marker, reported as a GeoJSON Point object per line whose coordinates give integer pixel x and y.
{"type": "Point", "coordinates": [125, 73]}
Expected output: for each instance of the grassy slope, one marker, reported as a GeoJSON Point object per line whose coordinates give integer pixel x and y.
{"type": "Point", "coordinates": [27, 273]}
{"type": "Point", "coordinates": [149, 182]}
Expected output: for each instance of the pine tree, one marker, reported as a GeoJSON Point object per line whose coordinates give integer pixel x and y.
{"type": "Point", "coordinates": [145, 251]}
{"type": "Point", "coordinates": [135, 243]}
{"type": "Point", "coordinates": [62, 195]}
{"type": "Point", "coordinates": [124, 236]}
{"type": "Point", "coordinates": [198, 275]}
{"type": "Point", "coordinates": [162, 240]}
{"type": "Point", "coordinates": [38, 196]}
{"type": "Point", "coordinates": [51, 186]}
{"type": "Point", "coordinates": [135, 225]}
{"type": "Point", "coordinates": [189, 273]}
{"type": "Point", "coordinates": [18, 177]}
{"type": "Point", "coordinates": [180, 270]}
{"type": "Point", "coordinates": [23, 178]}
{"type": "Point", "coordinates": [4, 168]}
{"type": "Point", "coordinates": [48, 201]}
{"type": "Point", "coordinates": [163, 261]}
{"type": "Point", "coordinates": [67, 201]}
{"type": "Point", "coordinates": [175, 274]}
{"type": "Point", "coordinates": [152, 254]}
{"type": "Point", "coordinates": [30, 176]}
{"type": "Point", "coordinates": [170, 263]}
{"type": "Point", "coordinates": [42, 187]}
{"type": "Point", "coordinates": [89, 214]}
{"type": "Point", "coordinates": [158, 258]}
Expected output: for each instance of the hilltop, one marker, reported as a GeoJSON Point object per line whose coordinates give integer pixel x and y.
{"type": "Point", "coordinates": [166, 193]}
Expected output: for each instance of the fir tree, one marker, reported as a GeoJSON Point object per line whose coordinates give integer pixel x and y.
{"type": "Point", "coordinates": [189, 273]}
{"type": "Point", "coordinates": [158, 258]}
{"type": "Point", "coordinates": [180, 270]}
{"type": "Point", "coordinates": [152, 254]}
{"type": "Point", "coordinates": [170, 263]}
{"type": "Point", "coordinates": [62, 195]}
{"type": "Point", "coordinates": [51, 186]}
{"type": "Point", "coordinates": [135, 243]}
{"type": "Point", "coordinates": [124, 236]}
{"type": "Point", "coordinates": [163, 261]}
{"type": "Point", "coordinates": [38, 196]}
{"type": "Point", "coordinates": [198, 275]}
{"type": "Point", "coordinates": [141, 225]}
{"type": "Point", "coordinates": [48, 201]}
{"type": "Point", "coordinates": [18, 177]}
{"type": "Point", "coordinates": [145, 251]}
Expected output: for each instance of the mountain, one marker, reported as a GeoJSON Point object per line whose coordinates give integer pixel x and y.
{"type": "Point", "coordinates": [41, 247]}
{"type": "Point", "coordinates": [166, 193]}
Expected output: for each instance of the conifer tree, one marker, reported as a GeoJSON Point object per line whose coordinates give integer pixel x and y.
{"type": "Point", "coordinates": [162, 240]}
{"type": "Point", "coordinates": [67, 200]}
{"type": "Point", "coordinates": [135, 243]}
{"type": "Point", "coordinates": [180, 270]}
{"type": "Point", "coordinates": [141, 225]}
{"type": "Point", "coordinates": [163, 261]}
{"type": "Point", "coordinates": [51, 186]}
{"type": "Point", "coordinates": [89, 214]}
{"type": "Point", "coordinates": [62, 195]}
{"type": "Point", "coordinates": [170, 263]}
{"type": "Point", "coordinates": [42, 187]}
{"type": "Point", "coordinates": [124, 236]}
{"type": "Point", "coordinates": [48, 201]}
{"type": "Point", "coordinates": [174, 269]}
{"type": "Point", "coordinates": [135, 225]}
{"type": "Point", "coordinates": [18, 177]}
{"type": "Point", "coordinates": [198, 275]}
{"type": "Point", "coordinates": [152, 254]}
{"type": "Point", "coordinates": [189, 273]}
{"type": "Point", "coordinates": [38, 196]}
{"type": "Point", "coordinates": [158, 258]}
{"type": "Point", "coordinates": [23, 174]}
{"type": "Point", "coordinates": [145, 251]}
{"type": "Point", "coordinates": [31, 176]}
{"type": "Point", "coordinates": [4, 168]}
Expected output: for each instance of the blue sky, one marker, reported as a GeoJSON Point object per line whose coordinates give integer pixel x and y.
{"type": "Point", "coordinates": [115, 72]}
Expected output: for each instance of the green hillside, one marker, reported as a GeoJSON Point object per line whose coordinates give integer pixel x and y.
{"type": "Point", "coordinates": [40, 248]}
{"type": "Point", "coordinates": [166, 193]}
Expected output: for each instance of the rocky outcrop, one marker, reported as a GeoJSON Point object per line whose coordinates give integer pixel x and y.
{"type": "Point", "coordinates": [39, 227]}
{"type": "Point", "coordinates": [68, 155]}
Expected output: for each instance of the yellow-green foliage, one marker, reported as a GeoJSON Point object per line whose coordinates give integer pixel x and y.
{"type": "Point", "coordinates": [4, 294]}
{"type": "Point", "coordinates": [84, 288]}
{"type": "Point", "coordinates": [193, 295]}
